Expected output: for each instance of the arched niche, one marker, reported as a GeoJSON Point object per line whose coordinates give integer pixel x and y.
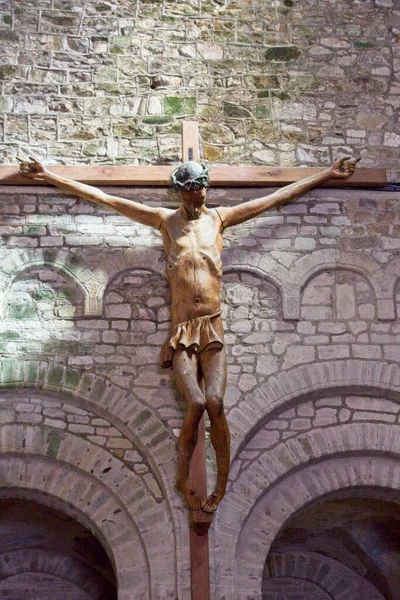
{"type": "Point", "coordinates": [137, 302]}
{"type": "Point", "coordinates": [293, 493]}
{"type": "Point", "coordinates": [138, 293]}
{"type": "Point", "coordinates": [48, 553]}
{"type": "Point", "coordinates": [345, 542]}
{"type": "Point", "coordinates": [42, 293]}
{"type": "Point", "coordinates": [247, 294]}
{"type": "Point", "coordinates": [338, 295]}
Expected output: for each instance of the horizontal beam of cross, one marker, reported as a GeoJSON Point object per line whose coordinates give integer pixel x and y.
{"type": "Point", "coordinates": [220, 176]}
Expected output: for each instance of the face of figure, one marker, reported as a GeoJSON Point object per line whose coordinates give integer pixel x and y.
{"type": "Point", "coordinates": [193, 202]}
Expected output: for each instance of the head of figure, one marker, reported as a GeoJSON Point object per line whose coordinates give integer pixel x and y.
{"type": "Point", "coordinates": [190, 180]}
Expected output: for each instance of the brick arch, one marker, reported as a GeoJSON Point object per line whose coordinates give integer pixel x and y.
{"type": "Point", "coordinates": [61, 566]}
{"type": "Point", "coordinates": [88, 282]}
{"type": "Point", "coordinates": [309, 381]}
{"type": "Point", "coordinates": [53, 484]}
{"type": "Point", "coordinates": [275, 507]}
{"type": "Point", "coordinates": [113, 500]}
{"type": "Point", "coordinates": [339, 581]}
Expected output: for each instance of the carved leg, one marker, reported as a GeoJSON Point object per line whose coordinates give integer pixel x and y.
{"type": "Point", "coordinates": [185, 368]}
{"type": "Point", "coordinates": [213, 364]}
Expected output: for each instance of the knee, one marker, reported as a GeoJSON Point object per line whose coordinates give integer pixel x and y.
{"type": "Point", "coordinates": [215, 407]}
{"type": "Point", "coordinates": [197, 406]}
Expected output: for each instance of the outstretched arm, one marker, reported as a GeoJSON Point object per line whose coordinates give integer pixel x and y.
{"type": "Point", "coordinates": [233, 215]}
{"type": "Point", "coordinates": [135, 211]}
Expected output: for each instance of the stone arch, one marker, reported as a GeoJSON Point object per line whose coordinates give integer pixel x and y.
{"type": "Point", "coordinates": [268, 268]}
{"type": "Point", "coordinates": [40, 294]}
{"type": "Point", "coordinates": [97, 485]}
{"type": "Point", "coordinates": [16, 477]}
{"type": "Point", "coordinates": [124, 411]}
{"type": "Point", "coordinates": [299, 471]}
{"type": "Point", "coordinates": [42, 561]}
{"type": "Point", "coordinates": [339, 295]}
{"type": "Point", "coordinates": [373, 377]}
{"type": "Point", "coordinates": [159, 280]}
{"type": "Point", "coordinates": [340, 582]}
{"type": "Point", "coordinates": [125, 260]}
{"type": "Point", "coordinates": [131, 258]}
{"type": "Point", "coordinates": [96, 393]}
{"type": "Point", "coordinates": [329, 258]}
{"type": "Point", "coordinates": [274, 464]}
{"type": "Point", "coordinates": [273, 509]}
{"type": "Point", "coordinates": [318, 261]}
{"type": "Point", "coordinates": [262, 264]}
{"type": "Point", "coordinates": [89, 283]}
{"type": "Point", "coordinates": [242, 272]}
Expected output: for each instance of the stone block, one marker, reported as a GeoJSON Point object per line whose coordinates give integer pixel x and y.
{"type": "Point", "coordinates": [333, 352]}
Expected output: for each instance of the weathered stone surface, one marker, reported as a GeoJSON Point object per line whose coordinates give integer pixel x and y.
{"type": "Point", "coordinates": [226, 63]}
{"type": "Point", "coordinates": [271, 83]}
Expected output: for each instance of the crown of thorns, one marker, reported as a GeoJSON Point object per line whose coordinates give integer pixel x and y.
{"type": "Point", "coordinates": [190, 176]}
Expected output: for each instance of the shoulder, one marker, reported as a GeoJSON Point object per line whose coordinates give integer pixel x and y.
{"type": "Point", "coordinates": [167, 215]}
{"type": "Point", "coordinates": [221, 214]}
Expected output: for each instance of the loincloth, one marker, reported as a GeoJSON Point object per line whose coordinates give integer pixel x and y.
{"type": "Point", "coordinates": [196, 335]}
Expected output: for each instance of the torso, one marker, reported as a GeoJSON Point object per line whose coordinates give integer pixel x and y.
{"type": "Point", "coordinates": [194, 268]}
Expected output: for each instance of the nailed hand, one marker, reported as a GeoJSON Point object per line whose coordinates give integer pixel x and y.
{"type": "Point", "coordinates": [344, 167]}
{"type": "Point", "coordinates": [33, 169]}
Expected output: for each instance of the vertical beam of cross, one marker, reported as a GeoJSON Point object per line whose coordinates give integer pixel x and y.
{"type": "Point", "coordinates": [200, 521]}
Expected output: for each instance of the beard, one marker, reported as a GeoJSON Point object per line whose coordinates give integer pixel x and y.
{"type": "Point", "coordinates": [193, 212]}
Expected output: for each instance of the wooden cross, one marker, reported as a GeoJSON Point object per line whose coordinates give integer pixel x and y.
{"type": "Point", "coordinates": [220, 176]}
{"type": "Point", "coordinates": [200, 521]}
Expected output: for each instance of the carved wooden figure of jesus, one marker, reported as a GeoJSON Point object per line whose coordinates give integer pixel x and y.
{"type": "Point", "coordinates": [192, 240]}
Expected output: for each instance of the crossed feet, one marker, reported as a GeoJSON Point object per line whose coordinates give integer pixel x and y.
{"type": "Point", "coordinates": [195, 501]}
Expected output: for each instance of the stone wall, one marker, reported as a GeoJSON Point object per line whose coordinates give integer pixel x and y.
{"type": "Point", "coordinates": [272, 83]}
{"type": "Point", "coordinates": [89, 421]}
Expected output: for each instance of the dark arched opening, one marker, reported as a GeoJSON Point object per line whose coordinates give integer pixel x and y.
{"type": "Point", "coordinates": [345, 546]}
{"type": "Point", "coordinates": [46, 554]}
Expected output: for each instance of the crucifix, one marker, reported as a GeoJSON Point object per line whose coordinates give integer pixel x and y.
{"type": "Point", "coordinates": [192, 240]}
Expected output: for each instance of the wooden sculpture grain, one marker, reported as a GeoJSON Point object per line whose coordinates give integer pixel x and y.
{"type": "Point", "coordinates": [192, 240]}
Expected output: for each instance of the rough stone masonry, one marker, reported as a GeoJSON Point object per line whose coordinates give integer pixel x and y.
{"type": "Point", "coordinates": [280, 82]}
{"type": "Point", "coordinates": [311, 301]}
{"type": "Point", "coordinates": [89, 423]}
